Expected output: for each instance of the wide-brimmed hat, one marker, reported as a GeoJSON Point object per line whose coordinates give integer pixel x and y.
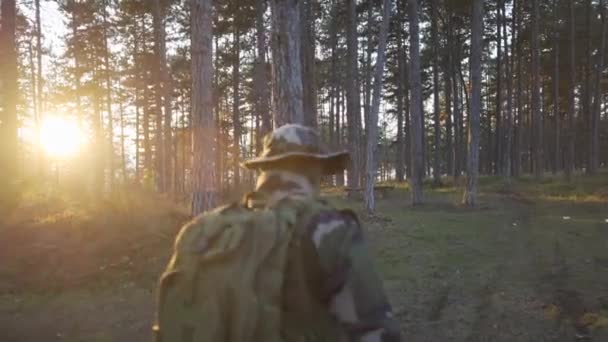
{"type": "Point", "coordinates": [297, 143]}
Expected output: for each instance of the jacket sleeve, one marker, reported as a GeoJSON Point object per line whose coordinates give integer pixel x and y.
{"type": "Point", "coordinates": [353, 286]}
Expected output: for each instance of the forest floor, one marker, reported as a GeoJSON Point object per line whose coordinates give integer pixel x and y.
{"type": "Point", "coordinates": [529, 264]}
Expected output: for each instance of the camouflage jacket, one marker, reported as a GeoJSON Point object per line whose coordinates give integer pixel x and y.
{"type": "Point", "coordinates": [357, 298]}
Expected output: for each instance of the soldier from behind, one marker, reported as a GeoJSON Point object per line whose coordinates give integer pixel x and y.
{"type": "Point", "coordinates": [281, 265]}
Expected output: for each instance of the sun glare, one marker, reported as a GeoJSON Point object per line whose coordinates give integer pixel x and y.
{"type": "Point", "coordinates": [60, 137]}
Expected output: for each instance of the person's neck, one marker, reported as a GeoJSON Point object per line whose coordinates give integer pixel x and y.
{"type": "Point", "coordinates": [279, 184]}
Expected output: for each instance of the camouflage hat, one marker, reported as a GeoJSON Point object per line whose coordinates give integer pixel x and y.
{"type": "Point", "coordinates": [296, 142]}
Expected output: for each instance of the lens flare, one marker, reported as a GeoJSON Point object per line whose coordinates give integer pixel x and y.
{"type": "Point", "coordinates": [60, 137]}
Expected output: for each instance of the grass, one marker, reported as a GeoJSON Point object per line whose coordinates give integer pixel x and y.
{"type": "Point", "coordinates": [529, 264]}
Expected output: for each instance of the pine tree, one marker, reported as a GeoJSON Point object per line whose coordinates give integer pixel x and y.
{"type": "Point", "coordinates": [416, 128]}
{"type": "Point", "coordinates": [204, 191]}
{"type": "Point", "coordinates": [470, 194]}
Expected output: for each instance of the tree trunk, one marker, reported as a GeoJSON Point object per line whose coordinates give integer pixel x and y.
{"type": "Point", "coordinates": [372, 129]}
{"type": "Point", "coordinates": [108, 80]}
{"type": "Point", "coordinates": [506, 138]}
{"type": "Point", "coordinates": [287, 64]}
{"type": "Point", "coordinates": [535, 105]}
{"type": "Point", "coordinates": [368, 63]}
{"type": "Point", "coordinates": [519, 98]}
{"type": "Point", "coordinates": [236, 116]}
{"type": "Point", "coordinates": [497, 136]}
{"type": "Point", "coordinates": [99, 167]}
{"type": "Point", "coordinates": [449, 146]}
{"type": "Point", "coordinates": [352, 90]}
{"type": "Point", "coordinates": [416, 131]}
{"type": "Point", "coordinates": [123, 155]}
{"type": "Point", "coordinates": [261, 88]}
{"type": "Point", "coordinates": [556, 114]}
{"type": "Point", "coordinates": [308, 63]}
{"type": "Point", "coordinates": [470, 194]}
{"type": "Point", "coordinates": [399, 168]}
{"type": "Point", "coordinates": [77, 72]}
{"type": "Point", "coordinates": [596, 112]}
{"type": "Point", "coordinates": [570, 137]}
{"type": "Point", "coordinates": [339, 124]}
{"type": "Point", "coordinates": [38, 95]}
{"type": "Point", "coordinates": [437, 134]}
{"type": "Point", "coordinates": [458, 133]}
{"type": "Point", "coordinates": [162, 136]}
{"type": "Point", "coordinates": [204, 191]}
{"type": "Point", "coordinates": [9, 88]}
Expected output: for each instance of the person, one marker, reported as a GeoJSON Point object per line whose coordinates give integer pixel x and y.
{"type": "Point", "coordinates": [338, 271]}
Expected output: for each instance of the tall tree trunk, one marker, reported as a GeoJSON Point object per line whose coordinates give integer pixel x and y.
{"type": "Point", "coordinates": [571, 130]}
{"type": "Point", "coordinates": [449, 146]}
{"type": "Point", "coordinates": [236, 116]}
{"type": "Point", "coordinates": [368, 63]}
{"type": "Point", "coordinates": [437, 134]}
{"type": "Point", "coordinates": [308, 63]}
{"type": "Point", "coordinates": [123, 155]}
{"type": "Point", "coordinates": [416, 130]}
{"type": "Point", "coordinates": [108, 81]}
{"type": "Point", "coordinates": [458, 133]}
{"type": "Point", "coordinates": [286, 43]}
{"type": "Point", "coordinates": [470, 194]}
{"type": "Point", "coordinates": [596, 112]}
{"type": "Point", "coordinates": [9, 88]}
{"type": "Point", "coordinates": [163, 101]}
{"type": "Point", "coordinates": [372, 129]}
{"type": "Point", "coordinates": [99, 168]}
{"type": "Point", "coordinates": [556, 112]}
{"type": "Point", "coordinates": [506, 137]}
{"type": "Point", "coordinates": [261, 91]}
{"type": "Point", "coordinates": [498, 113]}
{"type": "Point", "coordinates": [38, 103]}
{"type": "Point", "coordinates": [352, 89]}
{"type": "Point", "coordinates": [339, 123]}
{"type": "Point", "coordinates": [334, 93]}
{"type": "Point", "coordinates": [535, 105]}
{"type": "Point", "coordinates": [399, 168]}
{"type": "Point", "coordinates": [519, 98]}
{"type": "Point", "coordinates": [77, 72]}
{"type": "Point", "coordinates": [204, 191]}
{"type": "Point", "coordinates": [587, 91]}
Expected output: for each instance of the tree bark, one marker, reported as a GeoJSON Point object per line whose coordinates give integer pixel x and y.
{"type": "Point", "coordinates": [9, 88]}
{"type": "Point", "coordinates": [204, 191]}
{"type": "Point", "coordinates": [163, 99]}
{"type": "Point", "coordinates": [556, 112]}
{"type": "Point", "coordinates": [499, 92]}
{"type": "Point", "coordinates": [399, 168]}
{"type": "Point", "coordinates": [570, 137]}
{"type": "Point", "coordinates": [535, 105]}
{"type": "Point", "coordinates": [261, 88]}
{"type": "Point", "coordinates": [596, 112]}
{"type": "Point", "coordinates": [352, 89]}
{"type": "Point", "coordinates": [437, 127]}
{"type": "Point", "coordinates": [286, 43]}
{"type": "Point", "coordinates": [372, 129]}
{"type": "Point", "coordinates": [308, 63]}
{"type": "Point", "coordinates": [108, 80]}
{"type": "Point", "coordinates": [519, 98]}
{"type": "Point", "coordinates": [470, 194]}
{"type": "Point", "coordinates": [38, 95]}
{"type": "Point", "coordinates": [415, 106]}
{"type": "Point", "coordinates": [506, 138]}
{"type": "Point", "coordinates": [236, 116]}
{"type": "Point", "coordinates": [458, 129]}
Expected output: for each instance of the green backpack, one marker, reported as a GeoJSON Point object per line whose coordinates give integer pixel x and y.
{"type": "Point", "coordinates": [243, 274]}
